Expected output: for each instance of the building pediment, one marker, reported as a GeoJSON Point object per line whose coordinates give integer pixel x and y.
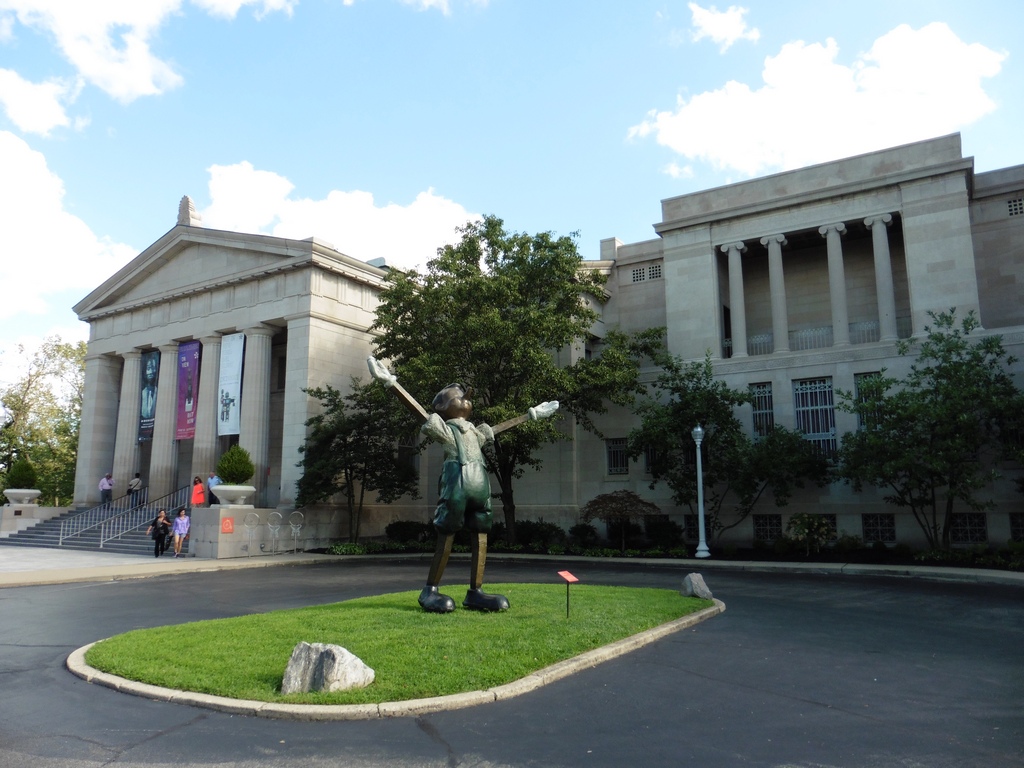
{"type": "Point", "coordinates": [189, 260]}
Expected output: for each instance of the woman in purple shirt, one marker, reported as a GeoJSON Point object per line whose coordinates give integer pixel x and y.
{"type": "Point", "coordinates": [182, 523]}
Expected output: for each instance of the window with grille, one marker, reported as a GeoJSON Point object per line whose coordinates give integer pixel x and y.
{"type": "Point", "coordinates": [691, 527]}
{"type": "Point", "coordinates": [653, 457]}
{"type": "Point", "coordinates": [639, 274]}
{"type": "Point", "coordinates": [878, 527]}
{"type": "Point", "coordinates": [654, 272]}
{"type": "Point", "coordinates": [858, 383]}
{"type": "Point", "coordinates": [1017, 526]}
{"type": "Point", "coordinates": [764, 408]}
{"type": "Point", "coordinates": [618, 462]}
{"type": "Point", "coordinates": [767, 528]}
{"type": "Point", "coordinates": [815, 413]}
{"type": "Point", "coordinates": [969, 528]}
{"type": "Point", "coordinates": [1015, 207]}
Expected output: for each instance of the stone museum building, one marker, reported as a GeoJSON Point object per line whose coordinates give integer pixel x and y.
{"type": "Point", "coordinates": [798, 283]}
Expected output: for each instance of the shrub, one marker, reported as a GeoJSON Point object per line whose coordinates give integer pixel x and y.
{"type": "Point", "coordinates": [847, 544]}
{"type": "Point", "coordinates": [624, 531]}
{"type": "Point", "coordinates": [409, 530]}
{"type": "Point", "coordinates": [21, 475]}
{"type": "Point", "coordinates": [583, 535]}
{"type": "Point", "coordinates": [538, 534]}
{"type": "Point", "coordinates": [235, 466]}
{"type": "Point", "coordinates": [812, 531]}
{"type": "Point", "coordinates": [345, 548]}
{"type": "Point", "coordinates": [663, 533]}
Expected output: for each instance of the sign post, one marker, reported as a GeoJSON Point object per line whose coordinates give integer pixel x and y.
{"type": "Point", "coordinates": [569, 579]}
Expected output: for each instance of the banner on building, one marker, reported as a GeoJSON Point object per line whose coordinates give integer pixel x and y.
{"type": "Point", "coordinates": [188, 389]}
{"type": "Point", "coordinates": [229, 396]}
{"type": "Point", "coordinates": [147, 394]}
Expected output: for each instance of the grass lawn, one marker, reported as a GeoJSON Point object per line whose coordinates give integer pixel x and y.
{"type": "Point", "coordinates": [413, 653]}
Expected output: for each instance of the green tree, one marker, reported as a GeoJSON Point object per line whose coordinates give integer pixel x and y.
{"type": "Point", "coordinates": [354, 447]}
{"type": "Point", "coordinates": [40, 413]}
{"type": "Point", "coordinates": [500, 313]}
{"type": "Point", "coordinates": [930, 439]}
{"type": "Point", "coordinates": [736, 469]}
{"type": "Point", "coordinates": [619, 508]}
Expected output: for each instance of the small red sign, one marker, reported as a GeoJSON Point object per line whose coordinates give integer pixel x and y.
{"type": "Point", "coordinates": [568, 577]}
{"type": "Point", "coordinates": [227, 525]}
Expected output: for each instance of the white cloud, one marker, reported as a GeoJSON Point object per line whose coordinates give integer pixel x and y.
{"type": "Point", "coordinates": [229, 8]}
{"type": "Point", "coordinates": [108, 42]}
{"type": "Point", "coordinates": [722, 27]}
{"type": "Point", "coordinates": [248, 200]}
{"type": "Point", "coordinates": [34, 107]}
{"type": "Point", "coordinates": [46, 251]}
{"type": "Point", "coordinates": [912, 84]}
{"type": "Point", "coordinates": [425, 5]}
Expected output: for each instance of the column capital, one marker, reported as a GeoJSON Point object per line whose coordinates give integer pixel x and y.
{"type": "Point", "coordinates": [171, 347]}
{"type": "Point", "coordinates": [884, 218]}
{"type": "Point", "coordinates": [132, 354]}
{"type": "Point", "coordinates": [213, 338]}
{"type": "Point", "coordinates": [769, 239]}
{"type": "Point", "coordinates": [259, 330]}
{"type": "Point", "coordinates": [738, 246]}
{"type": "Point", "coordinates": [839, 227]}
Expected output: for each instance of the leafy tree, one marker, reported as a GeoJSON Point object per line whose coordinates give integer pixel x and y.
{"type": "Point", "coordinates": [353, 447]}
{"type": "Point", "coordinates": [618, 508]}
{"type": "Point", "coordinates": [929, 439]}
{"type": "Point", "coordinates": [22, 475]}
{"type": "Point", "coordinates": [736, 469]}
{"type": "Point", "coordinates": [40, 413]}
{"type": "Point", "coordinates": [499, 312]}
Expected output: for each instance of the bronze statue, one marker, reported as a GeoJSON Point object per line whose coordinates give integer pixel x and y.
{"type": "Point", "coordinates": [464, 486]}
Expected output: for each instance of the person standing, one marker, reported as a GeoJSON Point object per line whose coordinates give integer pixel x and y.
{"type": "Point", "coordinates": [182, 525]}
{"type": "Point", "coordinates": [198, 495]}
{"type": "Point", "coordinates": [135, 489]}
{"type": "Point", "coordinates": [106, 489]}
{"type": "Point", "coordinates": [212, 483]}
{"type": "Point", "coordinates": [159, 529]}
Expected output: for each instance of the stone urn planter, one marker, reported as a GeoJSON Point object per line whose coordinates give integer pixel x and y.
{"type": "Point", "coordinates": [22, 495]}
{"type": "Point", "coordinates": [234, 495]}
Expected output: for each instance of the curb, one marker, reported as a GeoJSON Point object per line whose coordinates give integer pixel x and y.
{"type": "Point", "coordinates": [413, 707]}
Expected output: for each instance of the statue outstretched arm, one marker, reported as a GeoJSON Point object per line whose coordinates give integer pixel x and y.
{"type": "Point", "coordinates": [388, 379]}
{"type": "Point", "coordinates": [541, 411]}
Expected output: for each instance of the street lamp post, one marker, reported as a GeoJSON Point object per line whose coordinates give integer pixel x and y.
{"type": "Point", "coordinates": [702, 547]}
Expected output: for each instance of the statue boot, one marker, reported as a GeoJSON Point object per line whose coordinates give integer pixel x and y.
{"type": "Point", "coordinates": [476, 598]}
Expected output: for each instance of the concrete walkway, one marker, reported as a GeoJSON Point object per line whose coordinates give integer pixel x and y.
{"type": "Point", "coordinates": [25, 566]}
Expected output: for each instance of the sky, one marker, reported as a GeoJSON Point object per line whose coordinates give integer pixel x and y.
{"type": "Point", "coordinates": [380, 126]}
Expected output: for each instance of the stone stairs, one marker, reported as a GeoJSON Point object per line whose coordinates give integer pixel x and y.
{"type": "Point", "coordinates": [47, 535]}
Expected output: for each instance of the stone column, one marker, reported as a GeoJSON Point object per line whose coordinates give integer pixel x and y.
{"type": "Point", "coordinates": [97, 432]}
{"type": "Point", "coordinates": [837, 283]}
{"type": "Point", "coordinates": [297, 409]}
{"type": "Point", "coordinates": [254, 427]}
{"type": "Point", "coordinates": [162, 469]}
{"type": "Point", "coordinates": [777, 287]}
{"type": "Point", "coordinates": [736, 298]}
{"type": "Point", "coordinates": [204, 444]}
{"type": "Point", "coordinates": [883, 276]}
{"type": "Point", "coordinates": [126, 449]}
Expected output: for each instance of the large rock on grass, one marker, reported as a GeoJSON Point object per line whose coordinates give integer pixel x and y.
{"type": "Point", "coordinates": [324, 667]}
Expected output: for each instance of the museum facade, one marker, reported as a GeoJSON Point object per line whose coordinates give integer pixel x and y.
{"type": "Point", "coordinates": [797, 284]}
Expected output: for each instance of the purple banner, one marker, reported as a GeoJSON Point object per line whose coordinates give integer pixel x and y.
{"type": "Point", "coordinates": [188, 389]}
{"type": "Point", "coordinates": [147, 394]}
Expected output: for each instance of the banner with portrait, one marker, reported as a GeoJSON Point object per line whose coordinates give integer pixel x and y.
{"type": "Point", "coordinates": [229, 396]}
{"type": "Point", "coordinates": [147, 394]}
{"type": "Point", "coordinates": [188, 389]}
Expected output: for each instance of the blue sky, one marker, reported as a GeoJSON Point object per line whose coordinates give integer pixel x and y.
{"type": "Point", "coordinates": [381, 125]}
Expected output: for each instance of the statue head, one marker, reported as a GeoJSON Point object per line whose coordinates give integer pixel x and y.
{"type": "Point", "coordinates": [453, 402]}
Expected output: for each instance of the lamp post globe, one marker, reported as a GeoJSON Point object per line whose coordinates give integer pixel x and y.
{"type": "Point", "coordinates": [702, 547]}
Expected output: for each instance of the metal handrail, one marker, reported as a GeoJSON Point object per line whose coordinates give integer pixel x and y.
{"type": "Point", "coordinates": [86, 520]}
{"type": "Point", "coordinates": [136, 517]}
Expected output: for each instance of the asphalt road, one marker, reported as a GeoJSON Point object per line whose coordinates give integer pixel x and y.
{"type": "Point", "coordinates": [801, 670]}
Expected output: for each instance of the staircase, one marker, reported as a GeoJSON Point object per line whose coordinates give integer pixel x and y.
{"type": "Point", "coordinates": [122, 531]}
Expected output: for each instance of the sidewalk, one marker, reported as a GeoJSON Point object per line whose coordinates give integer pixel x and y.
{"type": "Point", "coordinates": [24, 566]}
